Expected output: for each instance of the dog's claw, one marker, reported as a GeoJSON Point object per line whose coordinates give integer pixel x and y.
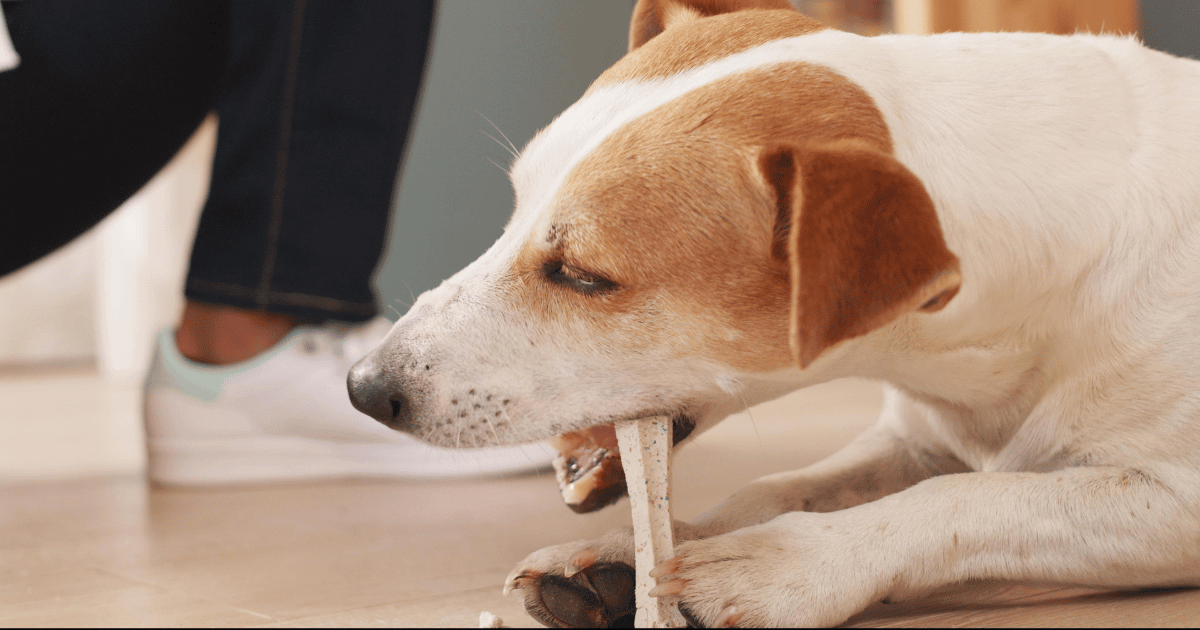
{"type": "Point", "coordinates": [669, 587]}
{"type": "Point", "coordinates": [728, 617]}
{"type": "Point", "coordinates": [666, 567]}
{"type": "Point", "coordinates": [510, 582]}
{"type": "Point", "coordinates": [580, 561]}
{"type": "Point", "coordinates": [514, 580]}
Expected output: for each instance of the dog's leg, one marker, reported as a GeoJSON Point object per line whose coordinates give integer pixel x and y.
{"type": "Point", "coordinates": [1097, 526]}
{"type": "Point", "coordinates": [877, 463]}
{"type": "Point", "coordinates": [591, 582]}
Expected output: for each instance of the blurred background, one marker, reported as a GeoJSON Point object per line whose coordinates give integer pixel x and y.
{"type": "Point", "coordinates": [76, 328]}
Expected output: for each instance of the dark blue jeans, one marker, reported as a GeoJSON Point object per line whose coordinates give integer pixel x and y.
{"type": "Point", "coordinates": [314, 100]}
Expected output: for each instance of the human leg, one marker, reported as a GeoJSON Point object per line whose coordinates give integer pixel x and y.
{"type": "Point", "coordinates": [250, 387]}
{"type": "Point", "coordinates": [104, 96]}
{"type": "Point", "coordinates": [314, 117]}
{"type": "Point", "coordinates": [315, 108]}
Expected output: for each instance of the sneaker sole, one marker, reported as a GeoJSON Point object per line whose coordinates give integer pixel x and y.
{"type": "Point", "coordinates": [245, 459]}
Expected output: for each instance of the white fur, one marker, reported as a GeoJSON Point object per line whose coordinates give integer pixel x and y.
{"type": "Point", "coordinates": [1066, 373]}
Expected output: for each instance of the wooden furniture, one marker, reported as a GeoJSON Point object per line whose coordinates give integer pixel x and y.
{"type": "Point", "coordinates": [1051, 16]}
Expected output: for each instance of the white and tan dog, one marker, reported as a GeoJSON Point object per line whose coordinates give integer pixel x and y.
{"type": "Point", "coordinates": [1003, 227]}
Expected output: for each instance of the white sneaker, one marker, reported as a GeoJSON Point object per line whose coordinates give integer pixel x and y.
{"type": "Point", "coordinates": [286, 415]}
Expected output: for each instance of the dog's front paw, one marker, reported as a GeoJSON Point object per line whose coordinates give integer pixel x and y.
{"type": "Point", "coordinates": [586, 583]}
{"type": "Point", "coordinates": [795, 571]}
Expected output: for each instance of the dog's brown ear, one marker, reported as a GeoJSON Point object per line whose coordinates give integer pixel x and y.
{"type": "Point", "coordinates": [651, 17]}
{"type": "Point", "coordinates": [862, 239]}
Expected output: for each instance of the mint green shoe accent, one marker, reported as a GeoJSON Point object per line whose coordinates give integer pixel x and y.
{"type": "Point", "coordinates": [171, 369]}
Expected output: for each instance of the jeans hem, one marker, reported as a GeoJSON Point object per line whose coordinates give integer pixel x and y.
{"type": "Point", "coordinates": [300, 305]}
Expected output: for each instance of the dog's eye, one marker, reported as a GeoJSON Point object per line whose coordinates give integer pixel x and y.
{"type": "Point", "coordinates": [576, 279]}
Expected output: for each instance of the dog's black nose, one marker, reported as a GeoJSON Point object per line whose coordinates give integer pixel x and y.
{"type": "Point", "coordinates": [370, 394]}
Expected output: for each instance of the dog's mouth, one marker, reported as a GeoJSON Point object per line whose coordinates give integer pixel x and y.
{"type": "Point", "coordinates": [588, 466]}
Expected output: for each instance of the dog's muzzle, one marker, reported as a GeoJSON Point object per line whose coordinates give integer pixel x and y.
{"type": "Point", "coordinates": [371, 394]}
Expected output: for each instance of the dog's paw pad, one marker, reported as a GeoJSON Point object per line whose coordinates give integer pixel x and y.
{"type": "Point", "coordinates": [598, 596]}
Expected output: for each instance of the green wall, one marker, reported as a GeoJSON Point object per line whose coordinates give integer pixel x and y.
{"type": "Point", "coordinates": [517, 62]}
{"type": "Point", "coordinates": [1172, 26]}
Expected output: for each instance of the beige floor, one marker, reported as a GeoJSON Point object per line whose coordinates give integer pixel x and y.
{"type": "Point", "coordinates": [94, 546]}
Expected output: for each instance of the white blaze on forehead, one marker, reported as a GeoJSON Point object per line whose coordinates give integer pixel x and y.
{"type": "Point", "coordinates": [550, 156]}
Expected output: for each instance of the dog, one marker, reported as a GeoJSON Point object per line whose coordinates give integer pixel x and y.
{"type": "Point", "coordinates": [1003, 228]}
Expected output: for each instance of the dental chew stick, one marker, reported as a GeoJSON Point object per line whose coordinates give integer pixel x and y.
{"type": "Point", "coordinates": [646, 457]}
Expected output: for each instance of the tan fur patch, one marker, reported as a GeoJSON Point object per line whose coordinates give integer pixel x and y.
{"type": "Point", "coordinates": [865, 244]}
{"type": "Point", "coordinates": [673, 208]}
{"type": "Point", "coordinates": [652, 17]}
{"type": "Point", "coordinates": [697, 42]}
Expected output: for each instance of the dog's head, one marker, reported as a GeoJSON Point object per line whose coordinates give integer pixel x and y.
{"type": "Point", "coordinates": [699, 227]}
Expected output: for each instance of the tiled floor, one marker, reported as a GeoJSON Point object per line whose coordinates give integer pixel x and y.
{"type": "Point", "coordinates": [104, 549]}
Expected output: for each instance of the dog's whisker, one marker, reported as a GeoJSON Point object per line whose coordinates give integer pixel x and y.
{"type": "Point", "coordinates": [497, 140]}
{"type": "Point", "coordinates": [510, 147]}
{"type": "Point", "coordinates": [499, 166]}
{"type": "Point", "coordinates": [510, 421]}
{"type": "Point", "coordinates": [410, 292]}
{"type": "Point", "coordinates": [752, 422]}
{"type": "Point", "coordinates": [493, 428]}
